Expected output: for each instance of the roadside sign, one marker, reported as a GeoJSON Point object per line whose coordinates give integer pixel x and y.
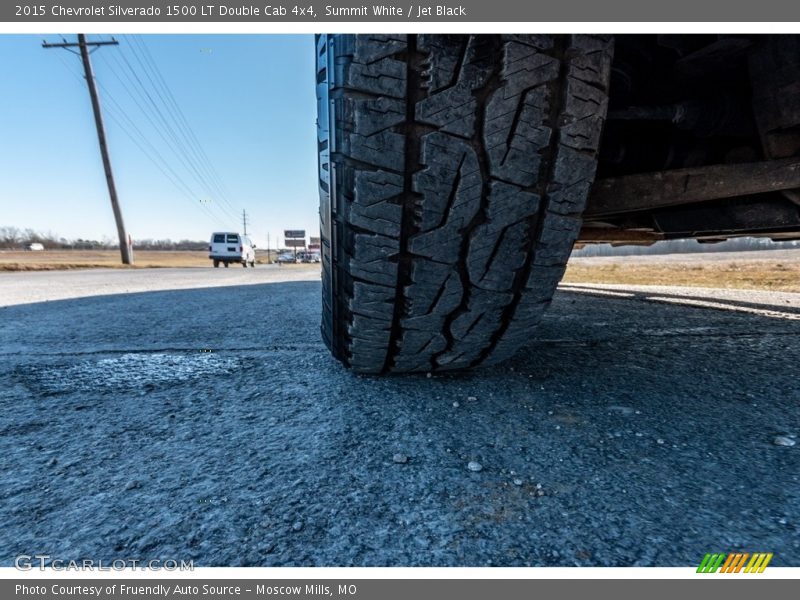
{"type": "Point", "coordinates": [314, 247]}
{"type": "Point", "coordinates": [313, 241]}
{"type": "Point", "coordinates": [294, 233]}
{"type": "Point", "coordinates": [295, 243]}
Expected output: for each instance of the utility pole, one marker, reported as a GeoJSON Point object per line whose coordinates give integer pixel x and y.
{"type": "Point", "coordinates": [125, 243]}
{"type": "Point", "coordinates": [269, 251]}
{"type": "Point", "coordinates": [244, 221]}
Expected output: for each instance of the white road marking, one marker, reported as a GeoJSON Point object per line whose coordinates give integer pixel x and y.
{"type": "Point", "coordinates": [597, 291]}
{"type": "Point", "coordinates": [774, 314]}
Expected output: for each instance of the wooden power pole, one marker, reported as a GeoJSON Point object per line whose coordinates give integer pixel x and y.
{"type": "Point", "coordinates": [125, 245]}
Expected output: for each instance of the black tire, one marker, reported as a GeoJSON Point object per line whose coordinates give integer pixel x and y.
{"type": "Point", "coordinates": [226, 264]}
{"type": "Point", "coordinates": [216, 264]}
{"type": "Point", "coordinates": [453, 173]}
{"type": "Point", "coordinates": [244, 264]}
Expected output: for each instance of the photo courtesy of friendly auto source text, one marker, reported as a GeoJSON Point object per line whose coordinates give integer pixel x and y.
{"type": "Point", "coordinates": [470, 293]}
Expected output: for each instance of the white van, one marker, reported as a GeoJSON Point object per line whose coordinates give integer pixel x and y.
{"type": "Point", "coordinates": [227, 247]}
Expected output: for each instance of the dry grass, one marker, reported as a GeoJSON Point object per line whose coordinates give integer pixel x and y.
{"type": "Point", "coordinates": [760, 274]}
{"type": "Point", "coordinates": [98, 259]}
{"type": "Point", "coordinates": [762, 271]}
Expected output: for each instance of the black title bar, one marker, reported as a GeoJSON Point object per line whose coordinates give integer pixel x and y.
{"type": "Point", "coordinates": [463, 11]}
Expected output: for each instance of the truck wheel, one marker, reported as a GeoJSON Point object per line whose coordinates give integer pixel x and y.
{"type": "Point", "coordinates": [226, 264]}
{"type": "Point", "coordinates": [216, 264]}
{"type": "Point", "coordinates": [453, 173]}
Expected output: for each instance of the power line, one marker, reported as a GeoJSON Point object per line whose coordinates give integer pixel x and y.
{"type": "Point", "coordinates": [169, 123]}
{"type": "Point", "coordinates": [166, 170]}
{"type": "Point", "coordinates": [206, 177]}
{"type": "Point", "coordinates": [154, 74]}
{"type": "Point", "coordinates": [159, 161]}
{"type": "Point", "coordinates": [164, 132]}
{"type": "Point", "coordinates": [182, 118]}
{"type": "Point", "coordinates": [119, 116]}
{"type": "Point", "coordinates": [159, 122]}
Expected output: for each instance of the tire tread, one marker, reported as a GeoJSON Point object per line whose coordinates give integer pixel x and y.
{"type": "Point", "coordinates": [462, 168]}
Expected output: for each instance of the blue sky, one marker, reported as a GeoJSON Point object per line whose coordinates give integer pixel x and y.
{"type": "Point", "coordinates": [249, 100]}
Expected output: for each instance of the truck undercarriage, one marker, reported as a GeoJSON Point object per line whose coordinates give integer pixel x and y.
{"type": "Point", "coordinates": [702, 140]}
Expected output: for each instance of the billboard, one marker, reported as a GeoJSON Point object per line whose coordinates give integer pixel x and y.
{"type": "Point", "coordinates": [314, 241]}
{"type": "Point", "coordinates": [295, 243]}
{"type": "Point", "coordinates": [294, 233]}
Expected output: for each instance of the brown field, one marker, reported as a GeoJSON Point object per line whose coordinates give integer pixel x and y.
{"type": "Point", "coordinates": [777, 270]}
{"type": "Point", "coordinates": [772, 270]}
{"type": "Point", "coordinates": [51, 260]}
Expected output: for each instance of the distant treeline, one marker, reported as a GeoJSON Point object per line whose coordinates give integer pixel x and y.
{"type": "Point", "coordinates": [13, 238]}
{"type": "Point", "coordinates": [684, 246]}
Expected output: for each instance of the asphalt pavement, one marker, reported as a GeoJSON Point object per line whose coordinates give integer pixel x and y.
{"type": "Point", "coordinates": [642, 426]}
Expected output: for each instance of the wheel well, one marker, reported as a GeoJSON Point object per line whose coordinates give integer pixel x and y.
{"type": "Point", "coordinates": [683, 105]}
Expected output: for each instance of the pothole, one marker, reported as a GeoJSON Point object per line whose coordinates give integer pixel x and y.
{"type": "Point", "coordinates": [129, 371]}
